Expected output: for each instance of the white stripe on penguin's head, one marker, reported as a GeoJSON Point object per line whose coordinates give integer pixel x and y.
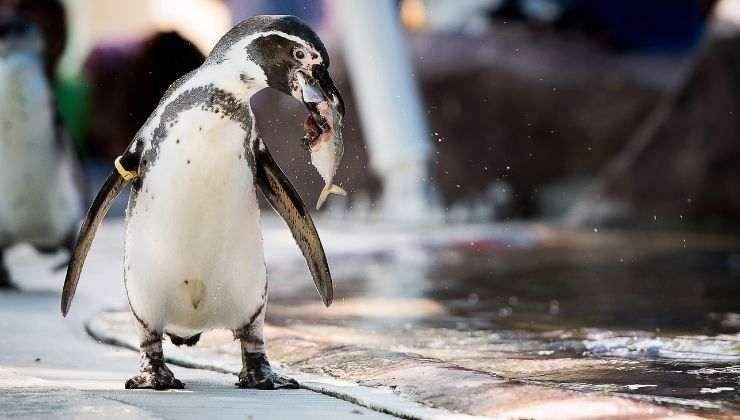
{"type": "Point", "coordinates": [279, 56]}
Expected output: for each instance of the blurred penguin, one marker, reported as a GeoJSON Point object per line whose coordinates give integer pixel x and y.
{"type": "Point", "coordinates": [51, 19]}
{"type": "Point", "coordinates": [40, 184]}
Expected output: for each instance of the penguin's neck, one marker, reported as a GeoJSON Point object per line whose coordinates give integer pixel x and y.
{"type": "Point", "coordinates": [243, 80]}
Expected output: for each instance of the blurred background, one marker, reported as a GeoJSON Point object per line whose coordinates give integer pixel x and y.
{"type": "Point", "coordinates": [527, 179]}
{"type": "Point", "coordinates": [590, 113]}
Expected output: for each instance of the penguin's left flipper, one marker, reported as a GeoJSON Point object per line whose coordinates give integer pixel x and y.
{"type": "Point", "coordinates": [100, 206]}
{"type": "Point", "coordinates": [285, 200]}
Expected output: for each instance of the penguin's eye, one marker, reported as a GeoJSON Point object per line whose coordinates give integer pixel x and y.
{"type": "Point", "coordinates": [299, 55]}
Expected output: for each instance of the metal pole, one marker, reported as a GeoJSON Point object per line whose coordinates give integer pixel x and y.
{"type": "Point", "coordinates": [389, 105]}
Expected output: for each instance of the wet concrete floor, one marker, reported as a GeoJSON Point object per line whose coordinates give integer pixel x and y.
{"type": "Point", "coordinates": [651, 316]}
{"type": "Point", "coordinates": [522, 321]}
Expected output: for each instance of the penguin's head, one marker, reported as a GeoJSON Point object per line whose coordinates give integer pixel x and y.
{"type": "Point", "coordinates": [18, 34]}
{"type": "Point", "coordinates": [289, 54]}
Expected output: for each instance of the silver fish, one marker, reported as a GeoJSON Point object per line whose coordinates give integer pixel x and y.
{"type": "Point", "coordinates": [326, 149]}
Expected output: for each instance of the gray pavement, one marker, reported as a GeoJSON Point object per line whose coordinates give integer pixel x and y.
{"type": "Point", "coordinates": [49, 367]}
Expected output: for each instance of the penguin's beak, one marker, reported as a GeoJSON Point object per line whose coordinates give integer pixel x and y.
{"type": "Point", "coordinates": [315, 89]}
{"type": "Point", "coordinates": [331, 93]}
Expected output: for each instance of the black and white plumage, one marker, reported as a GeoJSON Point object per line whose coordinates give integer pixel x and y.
{"type": "Point", "coordinates": [40, 185]}
{"type": "Point", "coordinates": [193, 256]}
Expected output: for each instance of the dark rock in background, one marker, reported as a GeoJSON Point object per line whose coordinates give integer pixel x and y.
{"type": "Point", "coordinates": [684, 167]}
{"type": "Point", "coordinates": [531, 109]}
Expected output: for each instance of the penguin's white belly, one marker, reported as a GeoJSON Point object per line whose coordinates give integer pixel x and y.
{"type": "Point", "coordinates": [39, 202]}
{"type": "Point", "coordinates": [194, 257]}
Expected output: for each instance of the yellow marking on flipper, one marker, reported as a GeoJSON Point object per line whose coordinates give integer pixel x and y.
{"type": "Point", "coordinates": [329, 189]}
{"type": "Point", "coordinates": [126, 175]}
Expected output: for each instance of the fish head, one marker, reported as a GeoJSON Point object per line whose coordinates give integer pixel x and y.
{"type": "Point", "coordinates": [325, 109]}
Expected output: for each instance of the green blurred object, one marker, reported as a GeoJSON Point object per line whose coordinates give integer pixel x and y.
{"type": "Point", "coordinates": [72, 95]}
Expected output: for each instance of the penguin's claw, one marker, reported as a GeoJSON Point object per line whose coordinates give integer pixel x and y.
{"type": "Point", "coordinates": [157, 379]}
{"type": "Point", "coordinates": [259, 375]}
{"type": "Point", "coordinates": [158, 383]}
{"type": "Point", "coordinates": [271, 381]}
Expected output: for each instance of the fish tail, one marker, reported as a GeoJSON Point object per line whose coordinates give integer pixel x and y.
{"type": "Point", "coordinates": [329, 189]}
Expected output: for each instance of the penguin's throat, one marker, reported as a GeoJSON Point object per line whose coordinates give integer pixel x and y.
{"type": "Point", "coordinates": [242, 81]}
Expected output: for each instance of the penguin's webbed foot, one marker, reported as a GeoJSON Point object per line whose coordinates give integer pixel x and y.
{"type": "Point", "coordinates": [5, 282]}
{"type": "Point", "coordinates": [156, 382]}
{"type": "Point", "coordinates": [156, 376]}
{"type": "Point", "coordinates": [257, 374]}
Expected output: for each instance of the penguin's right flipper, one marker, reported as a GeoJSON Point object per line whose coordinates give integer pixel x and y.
{"type": "Point", "coordinates": [285, 200]}
{"type": "Point", "coordinates": [108, 192]}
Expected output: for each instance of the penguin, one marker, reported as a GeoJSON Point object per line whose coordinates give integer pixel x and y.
{"type": "Point", "coordinates": [41, 189]}
{"type": "Point", "coordinates": [194, 258]}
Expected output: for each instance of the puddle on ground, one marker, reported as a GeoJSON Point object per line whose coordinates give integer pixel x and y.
{"type": "Point", "coordinates": [650, 316]}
